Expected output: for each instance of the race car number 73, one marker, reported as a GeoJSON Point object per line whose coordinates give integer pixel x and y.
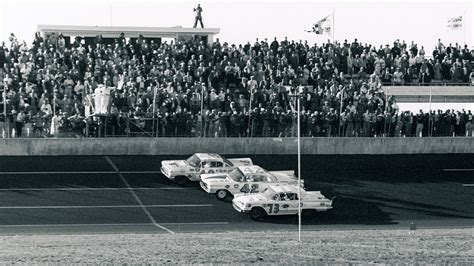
{"type": "Point", "coordinates": [275, 208]}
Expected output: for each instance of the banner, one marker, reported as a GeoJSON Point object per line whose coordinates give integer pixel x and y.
{"type": "Point", "coordinates": [323, 26]}
{"type": "Point", "coordinates": [101, 99]}
{"type": "Point", "coordinates": [455, 23]}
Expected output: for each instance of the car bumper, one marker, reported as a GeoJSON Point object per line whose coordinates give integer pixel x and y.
{"type": "Point", "coordinates": [207, 188]}
{"type": "Point", "coordinates": [237, 208]}
{"type": "Point", "coordinates": [167, 174]}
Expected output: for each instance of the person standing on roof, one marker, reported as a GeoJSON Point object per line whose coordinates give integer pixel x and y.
{"type": "Point", "coordinates": [198, 11]}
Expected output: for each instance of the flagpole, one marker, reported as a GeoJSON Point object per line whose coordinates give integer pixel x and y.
{"type": "Point", "coordinates": [333, 25]}
{"type": "Point", "coordinates": [464, 26]}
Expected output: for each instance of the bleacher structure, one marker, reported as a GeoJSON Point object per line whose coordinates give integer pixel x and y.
{"type": "Point", "coordinates": [110, 33]}
{"type": "Point", "coordinates": [437, 93]}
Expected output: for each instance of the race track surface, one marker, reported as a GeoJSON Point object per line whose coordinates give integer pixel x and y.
{"type": "Point", "coordinates": [128, 194]}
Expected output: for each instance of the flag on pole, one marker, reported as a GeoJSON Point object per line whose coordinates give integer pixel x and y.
{"type": "Point", "coordinates": [455, 23]}
{"type": "Point", "coordinates": [323, 26]}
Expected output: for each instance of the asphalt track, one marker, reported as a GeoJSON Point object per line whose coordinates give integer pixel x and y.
{"type": "Point", "coordinates": [128, 194]}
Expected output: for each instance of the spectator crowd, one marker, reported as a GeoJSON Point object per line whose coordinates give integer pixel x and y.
{"type": "Point", "coordinates": [190, 88]}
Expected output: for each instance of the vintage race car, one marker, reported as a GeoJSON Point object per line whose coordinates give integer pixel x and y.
{"type": "Point", "coordinates": [244, 179]}
{"type": "Point", "coordinates": [280, 200]}
{"type": "Point", "coordinates": [182, 171]}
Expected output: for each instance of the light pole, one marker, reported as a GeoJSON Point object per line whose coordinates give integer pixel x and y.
{"type": "Point", "coordinates": [429, 114]}
{"type": "Point", "coordinates": [298, 97]}
{"type": "Point", "coordinates": [340, 114]}
{"type": "Point", "coordinates": [203, 132]}
{"type": "Point", "coordinates": [154, 111]}
{"type": "Point", "coordinates": [299, 167]}
{"type": "Point", "coordinates": [5, 112]}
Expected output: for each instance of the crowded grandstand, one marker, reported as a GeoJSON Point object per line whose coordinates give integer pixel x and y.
{"type": "Point", "coordinates": [189, 88]}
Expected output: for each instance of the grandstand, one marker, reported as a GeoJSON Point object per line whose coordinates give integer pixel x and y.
{"type": "Point", "coordinates": [201, 87]}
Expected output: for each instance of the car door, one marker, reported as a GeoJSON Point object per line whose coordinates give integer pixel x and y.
{"type": "Point", "coordinates": [205, 167]}
{"type": "Point", "coordinates": [289, 203]}
{"type": "Point", "coordinates": [218, 167]}
{"type": "Point", "coordinates": [250, 185]}
{"type": "Point", "coordinates": [226, 167]}
{"type": "Point", "coordinates": [273, 206]}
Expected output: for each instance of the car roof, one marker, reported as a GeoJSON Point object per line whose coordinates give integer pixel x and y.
{"type": "Point", "coordinates": [284, 188]}
{"type": "Point", "coordinates": [251, 169]}
{"type": "Point", "coordinates": [208, 156]}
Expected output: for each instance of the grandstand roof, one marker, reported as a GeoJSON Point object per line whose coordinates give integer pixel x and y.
{"type": "Point", "coordinates": [130, 32]}
{"type": "Point", "coordinates": [439, 93]}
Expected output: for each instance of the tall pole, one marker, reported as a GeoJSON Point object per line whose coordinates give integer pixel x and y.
{"type": "Point", "coordinates": [203, 130]}
{"type": "Point", "coordinates": [464, 26]}
{"type": "Point", "coordinates": [5, 112]}
{"type": "Point", "coordinates": [250, 113]}
{"type": "Point", "coordinates": [386, 113]}
{"type": "Point", "coordinates": [154, 111]}
{"type": "Point", "coordinates": [333, 25]}
{"type": "Point", "coordinates": [340, 111]}
{"type": "Point", "coordinates": [299, 170]}
{"type": "Point", "coordinates": [54, 102]}
{"type": "Point", "coordinates": [429, 114]}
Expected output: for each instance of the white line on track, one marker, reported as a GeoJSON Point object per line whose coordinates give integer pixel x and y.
{"type": "Point", "coordinates": [136, 197]}
{"type": "Point", "coordinates": [78, 172]}
{"type": "Point", "coordinates": [107, 206]}
{"type": "Point", "coordinates": [124, 224]}
{"type": "Point", "coordinates": [468, 185]}
{"type": "Point", "coordinates": [95, 189]}
{"type": "Point", "coordinates": [458, 170]}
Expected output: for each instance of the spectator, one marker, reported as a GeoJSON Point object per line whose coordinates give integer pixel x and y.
{"type": "Point", "coordinates": [198, 17]}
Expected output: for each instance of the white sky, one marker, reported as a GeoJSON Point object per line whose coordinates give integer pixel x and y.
{"type": "Point", "coordinates": [240, 21]}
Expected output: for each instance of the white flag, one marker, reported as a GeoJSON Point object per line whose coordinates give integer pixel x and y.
{"type": "Point", "coordinates": [455, 23]}
{"type": "Point", "coordinates": [323, 26]}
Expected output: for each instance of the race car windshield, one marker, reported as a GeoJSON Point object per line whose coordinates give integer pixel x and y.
{"type": "Point", "coordinates": [227, 162]}
{"type": "Point", "coordinates": [193, 161]}
{"type": "Point", "coordinates": [236, 175]}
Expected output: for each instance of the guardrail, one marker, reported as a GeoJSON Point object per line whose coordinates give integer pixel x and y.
{"type": "Point", "coordinates": [234, 146]}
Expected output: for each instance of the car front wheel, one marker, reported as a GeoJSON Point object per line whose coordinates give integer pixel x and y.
{"type": "Point", "coordinates": [222, 194]}
{"type": "Point", "coordinates": [257, 214]}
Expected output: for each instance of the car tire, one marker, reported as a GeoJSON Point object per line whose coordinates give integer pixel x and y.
{"type": "Point", "coordinates": [257, 213]}
{"type": "Point", "coordinates": [222, 194]}
{"type": "Point", "coordinates": [181, 180]}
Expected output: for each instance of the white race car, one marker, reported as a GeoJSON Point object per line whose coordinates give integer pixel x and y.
{"type": "Point", "coordinates": [280, 200]}
{"type": "Point", "coordinates": [244, 179]}
{"type": "Point", "coordinates": [182, 171]}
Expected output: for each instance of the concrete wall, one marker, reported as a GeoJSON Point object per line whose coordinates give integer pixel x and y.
{"type": "Point", "coordinates": [185, 146]}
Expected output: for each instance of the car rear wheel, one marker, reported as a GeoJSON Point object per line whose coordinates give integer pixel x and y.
{"type": "Point", "coordinates": [257, 214]}
{"type": "Point", "coordinates": [222, 194]}
{"type": "Point", "coordinates": [181, 180]}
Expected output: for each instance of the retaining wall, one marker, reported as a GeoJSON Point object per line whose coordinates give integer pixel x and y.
{"type": "Point", "coordinates": [185, 146]}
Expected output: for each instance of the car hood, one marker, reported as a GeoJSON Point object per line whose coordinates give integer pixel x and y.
{"type": "Point", "coordinates": [174, 163]}
{"type": "Point", "coordinates": [214, 178]}
{"type": "Point", "coordinates": [241, 161]}
{"type": "Point", "coordinates": [249, 198]}
{"type": "Point", "coordinates": [285, 176]}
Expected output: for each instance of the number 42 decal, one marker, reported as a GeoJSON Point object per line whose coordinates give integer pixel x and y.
{"type": "Point", "coordinates": [246, 189]}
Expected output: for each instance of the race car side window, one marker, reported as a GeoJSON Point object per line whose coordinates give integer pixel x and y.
{"type": "Point", "coordinates": [219, 164]}
{"type": "Point", "coordinates": [283, 196]}
{"type": "Point", "coordinates": [276, 197]}
{"type": "Point", "coordinates": [292, 196]}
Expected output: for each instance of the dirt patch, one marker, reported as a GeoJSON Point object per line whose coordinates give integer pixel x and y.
{"type": "Point", "coordinates": [431, 246]}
